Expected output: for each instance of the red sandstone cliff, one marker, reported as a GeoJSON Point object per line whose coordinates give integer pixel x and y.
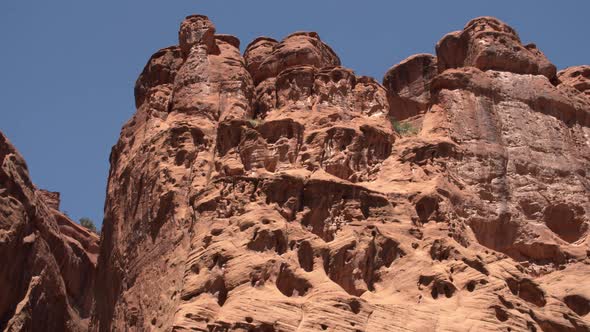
{"type": "Point", "coordinates": [271, 192]}
{"type": "Point", "coordinates": [278, 191]}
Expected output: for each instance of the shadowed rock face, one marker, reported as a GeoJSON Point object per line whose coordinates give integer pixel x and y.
{"type": "Point", "coordinates": [408, 85]}
{"type": "Point", "coordinates": [271, 191]}
{"type": "Point", "coordinates": [47, 262]}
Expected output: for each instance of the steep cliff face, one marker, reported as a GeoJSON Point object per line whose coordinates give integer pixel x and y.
{"type": "Point", "coordinates": [272, 191]}
{"type": "Point", "coordinates": [47, 262]}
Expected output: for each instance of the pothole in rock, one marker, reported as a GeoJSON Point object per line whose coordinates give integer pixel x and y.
{"type": "Point", "coordinates": [564, 220]}
{"type": "Point", "coordinates": [291, 285]}
{"type": "Point", "coordinates": [501, 314]}
{"type": "Point", "coordinates": [438, 287]}
{"type": "Point", "coordinates": [305, 256]}
{"type": "Point", "coordinates": [265, 239]}
{"type": "Point", "coordinates": [527, 290]}
{"type": "Point", "coordinates": [578, 304]}
{"type": "Point", "coordinates": [356, 266]}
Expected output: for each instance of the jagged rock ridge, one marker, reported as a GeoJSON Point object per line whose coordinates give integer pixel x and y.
{"type": "Point", "coordinates": [48, 262]}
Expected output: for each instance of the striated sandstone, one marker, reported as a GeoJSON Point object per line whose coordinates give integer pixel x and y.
{"type": "Point", "coordinates": [270, 191]}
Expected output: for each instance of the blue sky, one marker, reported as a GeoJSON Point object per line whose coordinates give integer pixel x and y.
{"type": "Point", "coordinates": [68, 67]}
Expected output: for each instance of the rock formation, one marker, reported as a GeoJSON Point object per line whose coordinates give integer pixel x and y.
{"type": "Point", "coordinates": [271, 191]}
{"type": "Point", "coordinates": [48, 262]}
{"type": "Point", "coordinates": [278, 191]}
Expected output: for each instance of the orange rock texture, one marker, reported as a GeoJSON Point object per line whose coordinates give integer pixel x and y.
{"type": "Point", "coordinates": [271, 191]}
{"type": "Point", "coordinates": [275, 190]}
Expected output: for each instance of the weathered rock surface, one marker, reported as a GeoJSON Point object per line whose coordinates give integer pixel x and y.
{"type": "Point", "coordinates": [48, 262]}
{"type": "Point", "coordinates": [408, 85]}
{"type": "Point", "coordinates": [270, 192]}
{"type": "Point", "coordinates": [488, 43]}
{"type": "Point", "coordinates": [577, 77]}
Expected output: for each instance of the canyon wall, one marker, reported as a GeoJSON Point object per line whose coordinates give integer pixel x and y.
{"type": "Point", "coordinates": [276, 190]}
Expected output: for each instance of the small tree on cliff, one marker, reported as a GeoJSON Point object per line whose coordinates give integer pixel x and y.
{"type": "Point", "coordinates": [88, 224]}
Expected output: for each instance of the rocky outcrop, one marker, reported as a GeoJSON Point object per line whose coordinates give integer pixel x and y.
{"type": "Point", "coordinates": [166, 153]}
{"type": "Point", "coordinates": [47, 261]}
{"type": "Point", "coordinates": [273, 192]}
{"type": "Point", "coordinates": [408, 85]}
{"type": "Point", "coordinates": [490, 44]}
{"type": "Point", "coordinates": [266, 58]}
{"type": "Point", "coordinates": [575, 83]}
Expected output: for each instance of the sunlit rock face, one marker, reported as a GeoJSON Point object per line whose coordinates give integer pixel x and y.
{"type": "Point", "coordinates": [490, 44]}
{"type": "Point", "coordinates": [271, 191]}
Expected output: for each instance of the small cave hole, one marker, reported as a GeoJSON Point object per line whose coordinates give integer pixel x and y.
{"type": "Point", "coordinates": [448, 291]}
{"type": "Point", "coordinates": [501, 314]}
{"type": "Point", "coordinates": [355, 306]}
{"type": "Point", "coordinates": [578, 304]}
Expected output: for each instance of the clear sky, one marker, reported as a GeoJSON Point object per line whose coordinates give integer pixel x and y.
{"type": "Point", "coordinates": [69, 66]}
